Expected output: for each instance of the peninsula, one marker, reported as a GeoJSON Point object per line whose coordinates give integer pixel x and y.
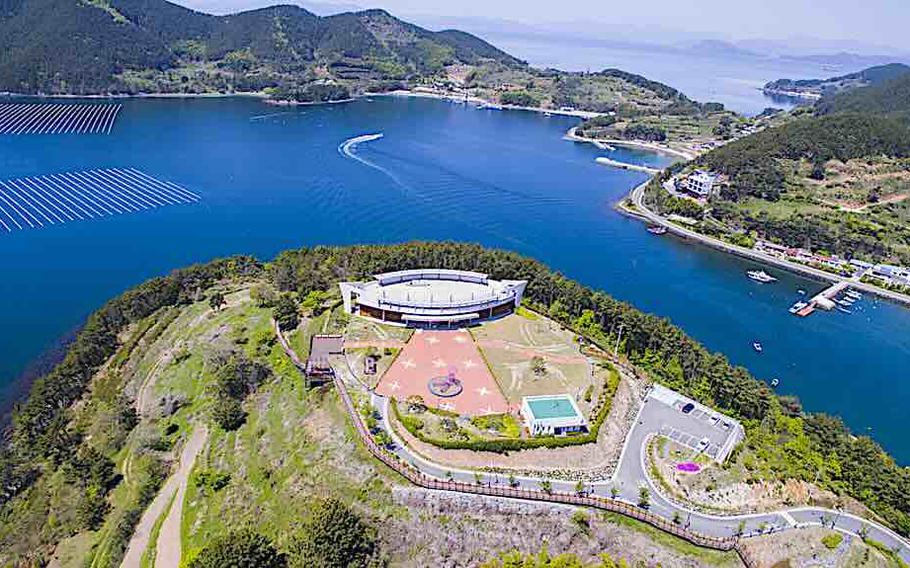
{"type": "Point", "coordinates": [264, 406]}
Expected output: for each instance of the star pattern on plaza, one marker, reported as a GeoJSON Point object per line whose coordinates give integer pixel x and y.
{"type": "Point", "coordinates": [432, 340]}
{"type": "Point", "coordinates": [460, 339]}
{"type": "Point", "coordinates": [395, 385]}
{"type": "Point", "coordinates": [409, 363]}
{"type": "Point", "coordinates": [439, 363]}
{"type": "Point", "coordinates": [483, 391]}
{"type": "Point", "coordinates": [447, 406]}
{"type": "Point", "coordinates": [469, 364]}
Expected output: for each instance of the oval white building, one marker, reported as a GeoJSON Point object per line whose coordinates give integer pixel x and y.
{"type": "Point", "coordinates": [432, 297]}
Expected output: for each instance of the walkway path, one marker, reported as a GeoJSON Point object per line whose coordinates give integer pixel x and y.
{"type": "Point", "coordinates": [172, 493]}
{"type": "Point", "coordinates": [714, 531]}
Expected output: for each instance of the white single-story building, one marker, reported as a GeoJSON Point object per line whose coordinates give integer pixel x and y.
{"type": "Point", "coordinates": [432, 297]}
{"type": "Point", "coordinates": [552, 415]}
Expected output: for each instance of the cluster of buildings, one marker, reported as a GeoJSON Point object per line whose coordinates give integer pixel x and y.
{"type": "Point", "coordinates": [890, 275]}
{"type": "Point", "coordinates": [887, 274]}
{"type": "Point", "coordinates": [832, 263]}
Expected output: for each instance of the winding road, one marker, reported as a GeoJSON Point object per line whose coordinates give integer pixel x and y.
{"type": "Point", "coordinates": [628, 479]}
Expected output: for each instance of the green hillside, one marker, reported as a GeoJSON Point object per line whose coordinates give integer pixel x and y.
{"type": "Point", "coordinates": [888, 97]}
{"type": "Point", "coordinates": [92, 46]}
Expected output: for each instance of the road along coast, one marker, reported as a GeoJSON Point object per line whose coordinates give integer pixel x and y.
{"type": "Point", "coordinates": [641, 211]}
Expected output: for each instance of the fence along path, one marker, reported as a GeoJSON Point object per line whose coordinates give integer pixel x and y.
{"type": "Point", "coordinates": [615, 506]}
{"type": "Point", "coordinates": [41, 201]}
{"type": "Point", "coordinates": [57, 118]}
{"type": "Point", "coordinates": [416, 477]}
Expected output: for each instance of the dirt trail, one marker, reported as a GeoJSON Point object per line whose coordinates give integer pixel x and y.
{"type": "Point", "coordinates": [169, 546]}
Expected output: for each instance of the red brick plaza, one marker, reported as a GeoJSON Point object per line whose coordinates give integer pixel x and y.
{"type": "Point", "coordinates": [443, 355]}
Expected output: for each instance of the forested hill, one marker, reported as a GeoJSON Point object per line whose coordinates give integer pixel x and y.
{"type": "Point", "coordinates": [835, 178]}
{"type": "Point", "coordinates": [100, 46]}
{"type": "Point", "coordinates": [888, 97]}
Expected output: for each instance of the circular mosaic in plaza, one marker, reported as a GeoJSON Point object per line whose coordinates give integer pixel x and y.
{"type": "Point", "coordinates": [445, 386]}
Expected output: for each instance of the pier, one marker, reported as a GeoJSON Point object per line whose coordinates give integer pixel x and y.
{"type": "Point", "coordinates": [625, 166]}
{"type": "Point", "coordinates": [825, 298]}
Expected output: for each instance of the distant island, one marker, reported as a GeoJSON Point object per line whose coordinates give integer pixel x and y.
{"type": "Point", "coordinates": [814, 89]}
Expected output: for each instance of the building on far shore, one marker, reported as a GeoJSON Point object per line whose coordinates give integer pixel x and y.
{"type": "Point", "coordinates": [432, 297]}
{"type": "Point", "coordinates": [552, 415]}
{"type": "Point", "coordinates": [700, 183]}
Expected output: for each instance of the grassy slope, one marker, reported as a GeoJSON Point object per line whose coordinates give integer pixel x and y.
{"type": "Point", "coordinates": [294, 446]}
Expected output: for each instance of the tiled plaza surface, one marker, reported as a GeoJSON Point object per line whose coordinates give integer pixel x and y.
{"type": "Point", "coordinates": [432, 354]}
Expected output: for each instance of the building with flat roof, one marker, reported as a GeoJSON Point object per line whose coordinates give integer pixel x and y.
{"type": "Point", "coordinates": [700, 183]}
{"type": "Point", "coordinates": [432, 297]}
{"type": "Point", "coordinates": [552, 415]}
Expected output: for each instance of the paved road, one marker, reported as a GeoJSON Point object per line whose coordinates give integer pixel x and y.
{"type": "Point", "coordinates": [632, 474]}
{"type": "Point", "coordinates": [637, 197]}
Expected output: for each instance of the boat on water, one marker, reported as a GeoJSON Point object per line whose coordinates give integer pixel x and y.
{"type": "Point", "coordinates": [757, 346]}
{"type": "Point", "coordinates": [801, 292]}
{"type": "Point", "coordinates": [853, 294]}
{"type": "Point", "coordinates": [610, 148]}
{"type": "Point", "coordinates": [657, 229]}
{"type": "Point", "coordinates": [795, 308]}
{"type": "Point", "coordinates": [760, 276]}
{"type": "Point", "coordinates": [843, 310]}
{"type": "Point", "coordinates": [775, 382]}
{"type": "Point", "coordinates": [845, 303]}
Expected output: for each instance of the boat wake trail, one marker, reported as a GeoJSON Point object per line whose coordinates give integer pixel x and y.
{"type": "Point", "coordinates": [348, 146]}
{"type": "Point", "coordinates": [348, 149]}
{"type": "Point", "coordinates": [264, 116]}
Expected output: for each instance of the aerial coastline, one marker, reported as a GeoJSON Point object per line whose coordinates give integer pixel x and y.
{"type": "Point", "coordinates": [452, 335]}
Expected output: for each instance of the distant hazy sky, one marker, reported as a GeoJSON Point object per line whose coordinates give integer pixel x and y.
{"type": "Point", "coordinates": [875, 22]}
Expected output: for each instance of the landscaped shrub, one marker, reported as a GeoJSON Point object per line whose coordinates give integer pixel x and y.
{"type": "Point", "coordinates": [504, 445]}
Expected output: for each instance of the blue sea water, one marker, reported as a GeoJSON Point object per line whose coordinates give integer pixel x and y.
{"type": "Point", "coordinates": [273, 178]}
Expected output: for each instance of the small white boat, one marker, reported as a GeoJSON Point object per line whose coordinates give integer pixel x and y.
{"type": "Point", "coordinates": [757, 346]}
{"type": "Point", "coordinates": [844, 310]}
{"type": "Point", "coordinates": [657, 230]}
{"type": "Point", "coordinates": [801, 292]}
{"type": "Point", "coordinates": [845, 303]}
{"type": "Point", "coordinates": [854, 294]}
{"type": "Point", "coordinates": [775, 382]}
{"type": "Point", "coordinates": [798, 306]}
{"type": "Point", "coordinates": [760, 276]}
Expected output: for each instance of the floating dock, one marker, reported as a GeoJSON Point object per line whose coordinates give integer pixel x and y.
{"type": "Point", "coordinates": [825, 300]}
{"type": "Point", "coordinates": [57, 118]}
{"type": "Point", "coordinates": [41, 201]}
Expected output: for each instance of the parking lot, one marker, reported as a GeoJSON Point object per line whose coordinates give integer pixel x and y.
{"type": "Point", "coordinates": [689, 423]}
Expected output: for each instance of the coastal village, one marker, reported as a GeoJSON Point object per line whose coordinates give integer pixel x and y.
{"type": "Point", "coordinates": [699, 185]}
